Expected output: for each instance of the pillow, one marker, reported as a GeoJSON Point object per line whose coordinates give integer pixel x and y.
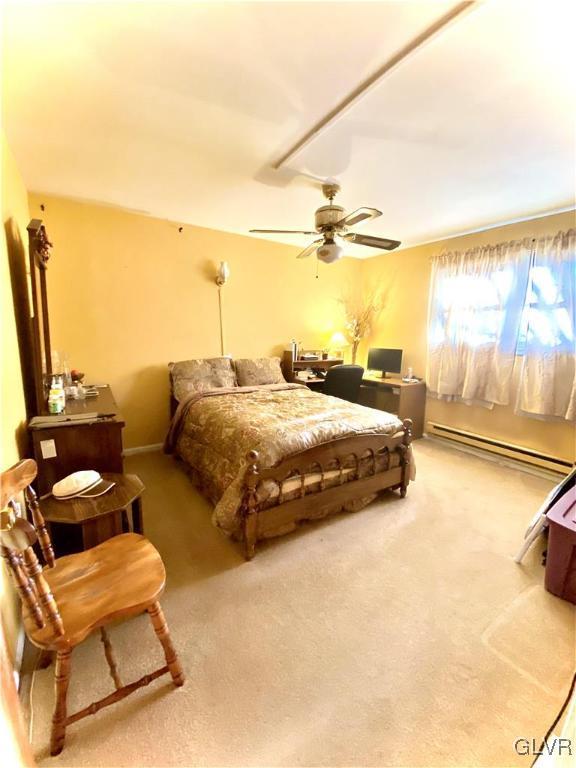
{"type": "Point", "coordinates": [201, 375]}
{"type": "Point", "coordinates": [263, 370]}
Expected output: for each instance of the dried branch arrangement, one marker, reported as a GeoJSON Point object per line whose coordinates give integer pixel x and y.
{"type": "Point", "coordinates": [361, 311]}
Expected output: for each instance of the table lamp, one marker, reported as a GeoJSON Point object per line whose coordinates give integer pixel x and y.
{"type": "Point", "coordinates": [337, 343]}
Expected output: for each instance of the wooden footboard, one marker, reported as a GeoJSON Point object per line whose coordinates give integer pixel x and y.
{"type": "Point", "coordinates": [356, 460]}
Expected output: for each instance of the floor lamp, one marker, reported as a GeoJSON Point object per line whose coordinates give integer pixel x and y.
{"type": "Point", "coordinates": [221, 277]}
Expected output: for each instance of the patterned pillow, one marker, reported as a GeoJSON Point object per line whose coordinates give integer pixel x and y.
{"type": "Point", "coordinates": [201, 375]}
{"type": "Point", "coordinates": [263, 370]}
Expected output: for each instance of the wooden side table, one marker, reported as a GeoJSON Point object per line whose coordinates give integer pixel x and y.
{"type": "Point", "coordinates": [79, 524]}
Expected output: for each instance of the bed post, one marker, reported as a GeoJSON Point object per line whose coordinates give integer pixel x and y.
{"type": "Point", "coordinates": [405, 453]}
{"type": "Point", "coordinates": [249, 506]}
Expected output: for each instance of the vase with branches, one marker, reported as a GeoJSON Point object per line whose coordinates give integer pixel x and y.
{"type": "Point", "coordinates": [360, 312]}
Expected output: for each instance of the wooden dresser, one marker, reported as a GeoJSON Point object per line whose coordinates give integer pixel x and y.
{"type": "Point", "coordinates": [71, 446]}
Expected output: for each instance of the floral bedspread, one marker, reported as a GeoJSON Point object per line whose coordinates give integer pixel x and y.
{"type": "Point", "coordinates": [214, 431]}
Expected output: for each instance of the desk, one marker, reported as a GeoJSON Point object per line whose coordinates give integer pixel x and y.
{"type": "Point", "coordinates": [290, 367]}
{"type": "Point", "coordinates": [316, 383]}
{"type": "Point", "coordinates": [406, 399]}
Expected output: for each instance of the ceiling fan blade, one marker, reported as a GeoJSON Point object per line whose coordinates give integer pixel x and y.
{"type": "Point", "coordinates": [361, 214]}
{"type": "Point", "coordinates": [371, 241]}
{"type": "Point", "coordinates": [283, 231]}
{"type": "Point", "coordinates": [310, 250]}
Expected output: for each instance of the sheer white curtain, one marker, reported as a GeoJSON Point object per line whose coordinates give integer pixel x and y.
{"type": "Point", "coordinates": [547, 385]}
{"type": "Point", "coordinates": [475, 318]}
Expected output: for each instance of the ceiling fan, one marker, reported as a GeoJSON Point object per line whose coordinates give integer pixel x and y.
{"type": "Point", "coordinates": [332, 223]}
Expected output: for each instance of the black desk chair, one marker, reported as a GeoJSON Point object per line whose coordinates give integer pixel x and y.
{"type": "Point", "coordinates": [343, 381]}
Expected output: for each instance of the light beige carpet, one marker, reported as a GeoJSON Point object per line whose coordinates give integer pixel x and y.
{"type": "Point", "coordinates": [402, 635]}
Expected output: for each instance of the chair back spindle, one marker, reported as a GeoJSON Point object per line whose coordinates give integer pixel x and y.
{"type": "Point", "coordinates": [17, 540]}
{"type": "Point", "coordinates": [40, 525]}
{"type": "Point", "coordinates": [24, 586]}
{"type": "Point", "coordinates": [43, 592]}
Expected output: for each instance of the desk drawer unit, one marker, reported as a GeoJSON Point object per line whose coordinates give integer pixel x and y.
{"type": "Point", "coordinates": [406, 400]}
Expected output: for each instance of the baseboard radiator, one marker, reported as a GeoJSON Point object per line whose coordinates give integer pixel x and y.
{"type": "Point", "coordinates": [506, 450]}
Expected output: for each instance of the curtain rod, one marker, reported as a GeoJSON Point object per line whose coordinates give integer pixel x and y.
{"type": "Point", "coordinates": [505, 243]}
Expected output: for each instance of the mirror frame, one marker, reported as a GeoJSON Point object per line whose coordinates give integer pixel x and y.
{"type": "Point", "coordinates": [39, 248]}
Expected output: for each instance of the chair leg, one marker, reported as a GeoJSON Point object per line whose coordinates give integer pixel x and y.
{"type": "Point", "coordinates": [61, 680]}
{"type": "Point", "coordinates": [109, 653]}
{"type": "Point", "coordinates": [163, 634]}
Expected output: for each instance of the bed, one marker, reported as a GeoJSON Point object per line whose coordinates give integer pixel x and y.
{"type": "Point", "coordinates": [270, 454]}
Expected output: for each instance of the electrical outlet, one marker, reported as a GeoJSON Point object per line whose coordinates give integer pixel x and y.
{"type": "Point", "coordinates": [48, 449]}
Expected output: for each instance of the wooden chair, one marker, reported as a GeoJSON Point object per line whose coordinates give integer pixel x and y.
{"type": "Point", "coordinates": [77, 594]}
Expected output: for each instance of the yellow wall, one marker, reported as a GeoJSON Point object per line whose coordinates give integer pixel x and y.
{"type": "Point", "coordinates": [404, 276]}
{"type": "Point", "coordinates": [129, 293]}
{"type": "Point", "coordinates": [13, 414]}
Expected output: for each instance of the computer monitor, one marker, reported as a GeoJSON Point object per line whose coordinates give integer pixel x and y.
{"type": "Point", "coordinates": [385, 360]}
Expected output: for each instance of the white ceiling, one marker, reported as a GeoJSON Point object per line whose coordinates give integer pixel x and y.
{"type": "Point", "coordinates": [178, 109]}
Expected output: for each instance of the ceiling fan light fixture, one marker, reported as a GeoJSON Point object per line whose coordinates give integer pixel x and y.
{"type": "Point", "coordinates": [332, 224]}
{"type": "Point", "coordinates": [329, 252]}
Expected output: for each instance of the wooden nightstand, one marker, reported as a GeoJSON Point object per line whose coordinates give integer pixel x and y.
{"type": "Point", "coordinates": [78, 524]}
{"type": "Point", "coordinates": [61, 450]}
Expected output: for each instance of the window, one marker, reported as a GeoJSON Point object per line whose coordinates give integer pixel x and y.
{"type": "Point", "coordinates": [490, 305]}
{"type": "Point", "coordinates": [546, 320]}
{"type": "Point", "coordinates": [483, 309]}
{"type": "Point", "coordinates": [479, 309]}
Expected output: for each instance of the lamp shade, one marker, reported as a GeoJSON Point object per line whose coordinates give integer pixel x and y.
{"type": "Point", "coordinates": [338, 340]}
{"type": "Point", "coordinates": [329, 252]}
{"type": "Point", "coordinates": [223, 273]}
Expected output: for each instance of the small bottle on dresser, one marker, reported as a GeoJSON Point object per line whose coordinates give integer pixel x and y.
{"type": "Point", "coordinates": [56, 398]}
